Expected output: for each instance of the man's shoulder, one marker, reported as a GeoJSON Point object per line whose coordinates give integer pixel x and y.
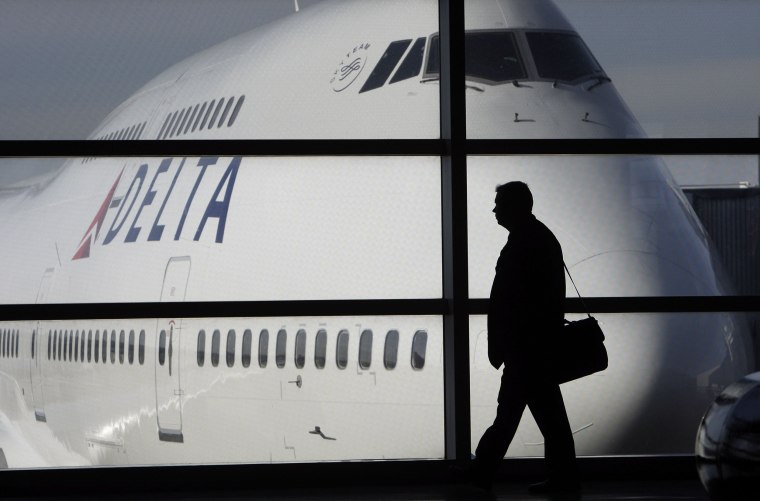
{"type": "Point", "coordinates": [542, 231]}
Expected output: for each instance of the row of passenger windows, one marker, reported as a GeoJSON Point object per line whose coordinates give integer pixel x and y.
{"type": "Point", "coordinates": [126, 134]}
{"type": "Point", "coordinates": [9, 343]}
{"type": "Point", "coordinates": [74, 344]}
{"type": "Point", "coordinates": [201, 116]}
{"type": "Point", "coordinates": [390, 351]}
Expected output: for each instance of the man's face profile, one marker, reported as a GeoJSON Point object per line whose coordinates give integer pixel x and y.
{"type": "Point", "coordinates": [504, 211]}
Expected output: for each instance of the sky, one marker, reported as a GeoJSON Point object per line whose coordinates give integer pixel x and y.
{"type": "Point", "coordinates": [687, 68]}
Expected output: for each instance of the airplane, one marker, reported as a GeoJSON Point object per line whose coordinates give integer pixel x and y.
{"type": "Point", "coordinates": [228, 390]}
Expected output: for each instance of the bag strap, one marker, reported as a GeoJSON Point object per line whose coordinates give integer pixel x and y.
{"type": "Point", "coordinates": [577, 291]}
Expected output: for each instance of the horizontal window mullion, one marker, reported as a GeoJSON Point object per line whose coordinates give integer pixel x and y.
{"type": "Point", "coordinates": [670, 304]}
{"type": "Point", "coordinates": [685, 146]}
{"type": "Point", "coordinates": [317, 308]}
{"type": "Point", "coordinates": [231, 147]}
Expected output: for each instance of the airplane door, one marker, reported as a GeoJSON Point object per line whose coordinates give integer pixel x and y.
{"type": "Point", "coordinates": [35, 363]}
{"type": "Point", "coordinates": [168, 336]}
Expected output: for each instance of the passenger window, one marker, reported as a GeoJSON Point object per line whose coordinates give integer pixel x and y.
{"type": "Point", "coordinates": [263, 348]}
{"type": "Point", "coordinates": [245, 356]}
{"type": "Point", "coordinates": [365, 349]}
{"type": "Point", "coordinates": [215, 343]}
{"type": "Point", "coordinates": [81, 348]}
{"type": "Point", "coordinates": [216, 113]}
{"type": "Point", "coordinates": [141, 348]}
{"type": "Point", "coordinates": [390, 354]}
{"type": "Point", "coordinates": [231, 348]}
{"type": "Point", "coordinates": [320, 349]}
{"type": "Point", "coordinates": [341, 349]}
{"type": "Point", "coordinates": [76, 347]}
{"type": "Point", "coordinates": [198, 118]}
{"type": "Point", "coordinates": [60, 345]}
{"type": "Point", "coordinates": [65, 345]}
{"type": "Point", "coordinates": [131, 352]}
{"type": "Point", "coordinates": [172, 116]}
{"type": "Point", "coordinates": [72, 349]}
{"type": "Point", "coordinates": [49, 344]}
{"type": "Point", "coordinates": [201, 351]}
{"type": "Point", "coordinates": [121, 347]}
{"type": "Point", "coordinates": [34, 336]}
{"type": "Point", "coordinates": [89, 346]}
{"type": "Point", "coordinates": [235, 112]}
{"type": "Point", "coordinates": [181, 129]}
{"type": "Point", "coordinates": [161, 347]}
{"type": "Point", "coordinates": [113, 346]}
{"type": "Point", "coordinates": [419, 345]}
{"type": "Point", "coordinates": [176, 123]}
{"type": "Point", "coordinates": [300, 354]}
{"type": "Point", "coordinates": [97, 346]}
{"type": "Point", "coordinates": [280, 346]}
{"type": "Point", "coordinates": [191, 119]}
{"type": "Point", "coordinates": [225, 112]}
{"type": "Point", "coordinates": [208, 112]}
{"type": "Point", "coordinates": [104, 357]}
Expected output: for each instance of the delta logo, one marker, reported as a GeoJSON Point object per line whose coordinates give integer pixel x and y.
{"type": "Point", "coordinates": [178, 195]}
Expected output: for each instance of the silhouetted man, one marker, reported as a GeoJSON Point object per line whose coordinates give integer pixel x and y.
{"type": "Point", "coordinates": [525, 315]}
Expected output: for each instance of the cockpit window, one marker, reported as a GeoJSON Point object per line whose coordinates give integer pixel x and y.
{"type": "Point", "coordinates": [491, 56]}
{"type": "Point", "coordinates": [562, 56]}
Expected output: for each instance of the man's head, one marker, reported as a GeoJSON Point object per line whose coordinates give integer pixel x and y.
{"type": "Point", "coordinates": [514, 203]}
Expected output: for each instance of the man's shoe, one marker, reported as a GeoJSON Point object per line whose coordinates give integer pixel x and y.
{"type": "Point", "coordinates": [555, 487]}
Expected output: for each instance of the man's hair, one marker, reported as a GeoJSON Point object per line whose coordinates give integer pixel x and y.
{"type": "Point", "coordinates": [517, 194]}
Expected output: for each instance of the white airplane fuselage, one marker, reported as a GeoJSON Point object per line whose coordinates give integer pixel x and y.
{"type": "Point", "coordinates": [259, 228]}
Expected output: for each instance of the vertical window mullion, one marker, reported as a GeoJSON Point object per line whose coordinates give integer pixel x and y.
{"type": "Point", "coordinates": [456, 356]}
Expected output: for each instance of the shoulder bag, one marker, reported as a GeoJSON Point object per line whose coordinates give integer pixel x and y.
{"type": "Point", "coordinates": [580, 348]}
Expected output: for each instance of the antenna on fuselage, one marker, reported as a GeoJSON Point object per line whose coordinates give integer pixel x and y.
{"type": "Point", "coordinates": [295, 5]}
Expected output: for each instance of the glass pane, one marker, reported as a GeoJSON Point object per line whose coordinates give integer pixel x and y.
{"type": "Point", "coordinates": [215, 344]}
{"type": "Point", "coordinates": [664, 372]}
{"type": "Point", "coordinates": [131, 356]}
{"type": "Point", "coordinates": [401, 411]}
{"type": "Point", "coordinates": [625, 226]}
{"type": "Point", "coordinates": [300, 351]}
{"type": "Point", "coordinates": [365, 349]}
{"type": "Point", "coordinates": [231, 348]}
{"type": "Point", "coordinates": [341, 349]}
{"type": "Point", "coordinates": [306, 228]}
{"type": "Point", "coordinates": [201, 348]}
{"type": "Point", "coordinates": [281, 347]}
{"type": "Point", "coordinates": [419, 350]}
{"type": "Point", "coordinates": [157, 80]}
{"type": "Point", "coordinates": [599, 69]}
{"type": "Point", "coordinates": [320, 349]}
{"type": "Point", "coordinates": [263, 348]}
{"type": "Point", "coordinates": [246, 350]}
{"type": "Point", "coordinates": [390, 354]}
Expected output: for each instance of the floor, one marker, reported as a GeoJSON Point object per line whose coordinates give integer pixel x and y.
{"type": "Point", "coordinates": [681, 490]}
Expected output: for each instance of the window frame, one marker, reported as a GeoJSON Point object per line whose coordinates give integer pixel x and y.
{"type": "Point", "coordinates": [455, 305]}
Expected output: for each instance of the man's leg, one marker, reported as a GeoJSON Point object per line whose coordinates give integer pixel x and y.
{"type": "Point", "coordinates": [495, 441]}
{"type": "Point", "coordinates": [548, 409]}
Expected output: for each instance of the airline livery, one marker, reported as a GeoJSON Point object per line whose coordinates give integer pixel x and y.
{"type": "Point", "coordinates": [190, 390]}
